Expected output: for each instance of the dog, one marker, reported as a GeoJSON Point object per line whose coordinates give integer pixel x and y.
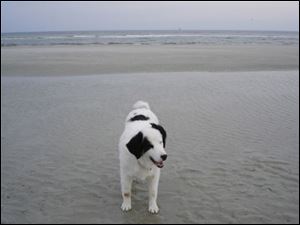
{"type": "Point", "coordinates": [141, 153]}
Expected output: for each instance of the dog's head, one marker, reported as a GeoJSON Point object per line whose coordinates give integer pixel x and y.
{"type": "Point", "coordinates": [149, 144]}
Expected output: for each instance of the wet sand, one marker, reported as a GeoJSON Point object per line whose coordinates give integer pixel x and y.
{"type": "Point", "coordinates": [102, 59]}
{"type": "Point", "coordinates": [233, 144]}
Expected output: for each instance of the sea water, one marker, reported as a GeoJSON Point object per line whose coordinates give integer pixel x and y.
{"type": "Point", "coordinates": [153, 37]}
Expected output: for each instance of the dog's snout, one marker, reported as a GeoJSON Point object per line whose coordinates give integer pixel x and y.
{"type": "Point", "coordinates": [164, 157]}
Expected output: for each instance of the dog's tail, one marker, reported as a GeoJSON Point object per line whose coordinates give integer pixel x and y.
{"type": "Point", "coordinates": [141, 105]}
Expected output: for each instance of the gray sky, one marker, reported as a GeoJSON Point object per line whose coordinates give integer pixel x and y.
{"type": "Point", "coordinates": [57, 16]}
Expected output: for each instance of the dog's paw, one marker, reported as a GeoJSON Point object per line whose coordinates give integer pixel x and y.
{"type": "Point", "coordinates": [126, 206]}
{"type": "Point", "coordinates": [153, 208]}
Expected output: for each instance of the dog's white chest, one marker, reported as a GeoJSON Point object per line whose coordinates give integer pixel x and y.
{"type": "Point", "coordinates": [144, 173]}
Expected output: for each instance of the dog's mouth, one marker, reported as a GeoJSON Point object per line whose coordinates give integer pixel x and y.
{"type": "Point", "coordinates": [159, 164]}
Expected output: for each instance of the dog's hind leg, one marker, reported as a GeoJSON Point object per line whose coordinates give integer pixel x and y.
{"type": "Point", "coordinates": [126, 183]}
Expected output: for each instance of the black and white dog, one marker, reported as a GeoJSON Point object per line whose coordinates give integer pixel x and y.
{"type": "Point", "coordinates": [142, 152]}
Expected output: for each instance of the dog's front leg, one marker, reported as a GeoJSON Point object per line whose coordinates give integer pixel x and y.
{"type": "Point", "coordinates": [153, 188]}
{"type": "Point", "coordinates": [126, 183]}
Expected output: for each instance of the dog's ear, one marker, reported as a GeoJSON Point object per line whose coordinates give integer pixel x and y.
{"type": "Point", "coordinates": [146, 145]}
{"type": "Point", "coordinates": [138, 145]}
{"type": "Point", "coordinates": [135, 145]}
{"type": "Point", "coordinates": [162, 131]}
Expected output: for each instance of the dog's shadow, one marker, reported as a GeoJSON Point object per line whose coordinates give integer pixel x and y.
{"type": "Point", "coordinates": [141, 216]}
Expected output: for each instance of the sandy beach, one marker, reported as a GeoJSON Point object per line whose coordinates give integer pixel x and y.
{"type": "Point", "coordinates": [108, 59]}
{"type": "Point", "coordinates": [231, 113]}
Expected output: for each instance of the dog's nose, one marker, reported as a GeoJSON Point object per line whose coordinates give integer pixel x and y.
{"type": "Point", "coordinates": [164, 157]}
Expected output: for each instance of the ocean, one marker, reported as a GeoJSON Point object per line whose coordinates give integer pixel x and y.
{"type": "Point", "coordinates": [161, 37]}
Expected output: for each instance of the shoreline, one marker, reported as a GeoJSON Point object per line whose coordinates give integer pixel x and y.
{"type": "Point", "coordinates": [116, 59]}
{"type": "Point", "coordinates": [147, 74]}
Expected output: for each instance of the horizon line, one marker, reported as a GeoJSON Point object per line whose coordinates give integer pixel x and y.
{"type": "Point", "coordinates": [178, 29]}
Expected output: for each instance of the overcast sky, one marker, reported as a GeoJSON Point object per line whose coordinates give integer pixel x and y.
{"type": "Point", "coordinates": [59, 16]}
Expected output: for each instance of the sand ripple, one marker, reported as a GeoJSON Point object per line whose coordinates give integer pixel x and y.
{"type": "Point", "coordinates": [233, 141]}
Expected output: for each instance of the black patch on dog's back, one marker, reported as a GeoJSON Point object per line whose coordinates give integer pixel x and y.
{"type": "Point", "coordinates": [161, 130]}
{"type": "Point", "coordinates": [138, 145]}
{"type": "Point", "coordinates": [139, 117]}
